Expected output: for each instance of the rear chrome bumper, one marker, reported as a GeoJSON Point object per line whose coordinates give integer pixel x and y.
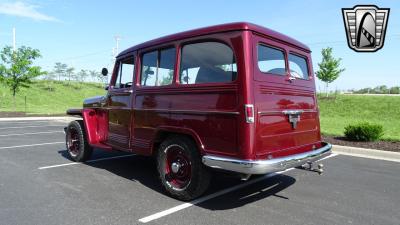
{"type": "Point", "coordinates": [269, 165]}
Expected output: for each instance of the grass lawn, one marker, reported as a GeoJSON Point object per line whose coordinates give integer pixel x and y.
{"type": "Point", "coordinates": [46, 97]}
{"type": "Point", "coordinates": [349, 109]}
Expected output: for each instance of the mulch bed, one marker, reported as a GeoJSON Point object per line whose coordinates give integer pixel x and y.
{"type": "Point", "coordinates": [393, 146]}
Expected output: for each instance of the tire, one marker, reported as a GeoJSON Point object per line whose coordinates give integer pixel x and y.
{"type": "Point", "coordinates": [76, 142]}
{"type": "Point", "coordinates": [181, 172]}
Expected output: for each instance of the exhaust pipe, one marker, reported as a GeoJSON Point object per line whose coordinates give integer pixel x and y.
{"type": "Point", "coordinates": [310, 167]}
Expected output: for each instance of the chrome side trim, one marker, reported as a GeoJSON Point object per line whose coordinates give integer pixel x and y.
{"type": "Point", "coordinates": [292, 112]}
{"type": "Point", "coordinates": [268, 165]}
{"type": "Point", "coordinates": [188, 111]}
{"type": "Point", "coordinates": [285, 112]}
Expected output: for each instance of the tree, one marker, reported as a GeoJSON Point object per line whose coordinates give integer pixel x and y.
{"type": "Point", "coordinates": [70, 73]}
{"type": "Point", "coordinates": [382, 89]}
{"type": "Point", "coordinates": [60, 69]}
{"type": "Point", "coordinates": [394, 90]}
{"type": "Point", "coordinates": [16, 68]}
{"type": "Point", "coordinates": [101, 78]}
{"type": "Point", "coordinates": [82, 74]}
{"type": "Point", "coordinates": [93, 74]}
{"type": "Point", "coordinates": [168, 79]}
{"type": "Point", "coordinates": [329, 68]}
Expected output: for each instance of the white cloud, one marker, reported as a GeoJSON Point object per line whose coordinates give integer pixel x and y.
{"type": "Point", "coordinates": [24, 10]}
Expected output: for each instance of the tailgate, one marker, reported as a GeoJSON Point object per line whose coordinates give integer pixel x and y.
{"type": "Point", "coordinates": [285, 100]}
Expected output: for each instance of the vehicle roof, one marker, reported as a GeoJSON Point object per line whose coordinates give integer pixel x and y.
{"type": "Point", "coordinates": [217, 29]}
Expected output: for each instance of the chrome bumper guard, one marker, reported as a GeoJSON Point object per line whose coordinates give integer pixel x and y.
{"type": "Point", "coordinates": [269, 165]}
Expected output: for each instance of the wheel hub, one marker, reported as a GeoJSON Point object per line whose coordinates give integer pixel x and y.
{"type": "Point", "coordinates": [175, 166]}
{"type": "Point", "coordinates": [73, 142]}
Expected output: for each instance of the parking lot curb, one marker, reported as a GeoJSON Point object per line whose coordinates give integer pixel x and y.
{"type": "Point", "coordinates": [55, 118]}
{"type": "Point", "coordinates": [366, 153]}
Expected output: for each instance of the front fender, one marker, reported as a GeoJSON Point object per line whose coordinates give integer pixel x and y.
{"type": "Point", "coordinates": [96, 125]}
{"type": "Point", "coordinates": [74, 112]}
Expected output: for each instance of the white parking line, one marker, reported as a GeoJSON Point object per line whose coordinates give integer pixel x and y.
{"type": "Point", "coordinates": [214, 195]}
{"type": "Point", "coordinates": [44, 132]}
{"type": "Point", "coordinates": [23, 146]}
{"type": "Point", "coordinates": [3, 128]}
{"type": "Point", "coordinates": [89, 161]}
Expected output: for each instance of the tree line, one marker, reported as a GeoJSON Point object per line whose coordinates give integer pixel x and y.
{"type": "Point", "coordinates": [381, 89]}
{"type": "Point", "coordinates": [63, 72]}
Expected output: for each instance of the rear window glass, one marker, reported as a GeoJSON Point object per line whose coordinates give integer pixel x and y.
{"type": "Point", "coordinates": [271, 60]}
{"type": "Point", "coordinates": [158, 67]}
{"type": "Point", "coordinates": [298, 66]}
{"type": "Point", "coordinates": [207, 62]}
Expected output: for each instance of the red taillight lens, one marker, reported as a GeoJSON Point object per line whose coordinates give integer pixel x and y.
{"type": "Point", "coordinates": [249, 111]}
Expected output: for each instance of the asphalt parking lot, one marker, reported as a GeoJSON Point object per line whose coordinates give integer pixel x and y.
{"type": "Point", "coordinates": [39, 184]}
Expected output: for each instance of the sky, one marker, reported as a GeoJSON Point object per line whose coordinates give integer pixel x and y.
{"type": "Point", "coordinates": [81, 33]}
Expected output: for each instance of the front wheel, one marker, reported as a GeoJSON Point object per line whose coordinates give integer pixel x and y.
{"type": "Point", "coordinates": [181, 171]}
{"type": "Point", "coordinates": [76, 142]}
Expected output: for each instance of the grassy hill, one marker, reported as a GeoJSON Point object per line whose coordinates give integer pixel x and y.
{"type": "Point", "coordinates": [46, 97]}
{"type": "Point", "coordinates": [346, 109]}
{"type": "Point", "coordinates": [56, 97]}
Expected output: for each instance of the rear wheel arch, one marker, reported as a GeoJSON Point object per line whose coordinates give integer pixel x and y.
{"type": "Point", "coordinates": [163, 134]}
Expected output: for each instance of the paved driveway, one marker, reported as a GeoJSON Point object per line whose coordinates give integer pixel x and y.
{"type": "Point", "coordinates": [39, 184]}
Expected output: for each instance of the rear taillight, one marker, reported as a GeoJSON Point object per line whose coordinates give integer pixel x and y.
{"type": "Point", "coordinates": [249, 111]}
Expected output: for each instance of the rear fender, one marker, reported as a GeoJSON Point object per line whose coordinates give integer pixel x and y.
{"type": "Point", "coordinates": [178, 130]}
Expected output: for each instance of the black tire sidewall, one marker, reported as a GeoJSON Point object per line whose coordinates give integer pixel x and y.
{"type": "Point", "coordinates": [200, 175]}
{"type": "Point", "coordinates": [85, 150]}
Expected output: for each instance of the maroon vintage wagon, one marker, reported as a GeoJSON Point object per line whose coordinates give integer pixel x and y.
{"type": "Point", "coordinates": [236, 97]}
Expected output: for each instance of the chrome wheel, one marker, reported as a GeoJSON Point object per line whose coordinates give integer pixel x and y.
{"type": "Point", "coordinates": [73, 142]}
{"type": "Point", "coordinates": [178, 168]}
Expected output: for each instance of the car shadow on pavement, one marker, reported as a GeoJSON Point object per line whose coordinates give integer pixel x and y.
{"type": "Point", "coordinates": [265, 188]}
{"type": "Point", "coordinates": [143, 170]}
{"type": "Point", "coordinates": [136, 168]}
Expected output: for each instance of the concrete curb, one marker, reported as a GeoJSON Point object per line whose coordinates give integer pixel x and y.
{"type": "Point", "coordinates": [366, 153]}
{"type": "Point", "coordinates": [55, 118]}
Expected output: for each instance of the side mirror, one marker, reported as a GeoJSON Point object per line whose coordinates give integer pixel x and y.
{"type": "Point", "coordinates": [104, 71]}
{"type": "Point", "coordinates": [148, 71]}
{"type": "Point", "coordinates": [106, 87]}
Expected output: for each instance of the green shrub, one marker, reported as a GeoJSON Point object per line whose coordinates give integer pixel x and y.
{"type": "Point", "coordinates": [363, 132]}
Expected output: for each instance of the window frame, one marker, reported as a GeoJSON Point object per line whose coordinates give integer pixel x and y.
{"type": "Point", "coordinates": [285, 59]}
{"type": "Point", "coordinates": [117, 71]}
{"type": "Point", "coordinates": [307, 64]}
{"type": "Point", "coordinates": [178, 72]}
{"type": "Point", "coordinates": [158, 49]}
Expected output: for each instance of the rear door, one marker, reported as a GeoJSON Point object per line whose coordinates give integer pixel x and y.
{"type": "Point", "coordinates": [284, 93]}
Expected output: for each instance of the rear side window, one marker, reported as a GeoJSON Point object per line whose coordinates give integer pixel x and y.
{"type": "Point", "coordinates": [158, 67]}
{"type": "Point", "coordinates": [207, 62]}
{"type": "Point", "coordinates": [271, 60]}
{"type": "Point", "coordinates": [298, 66]}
